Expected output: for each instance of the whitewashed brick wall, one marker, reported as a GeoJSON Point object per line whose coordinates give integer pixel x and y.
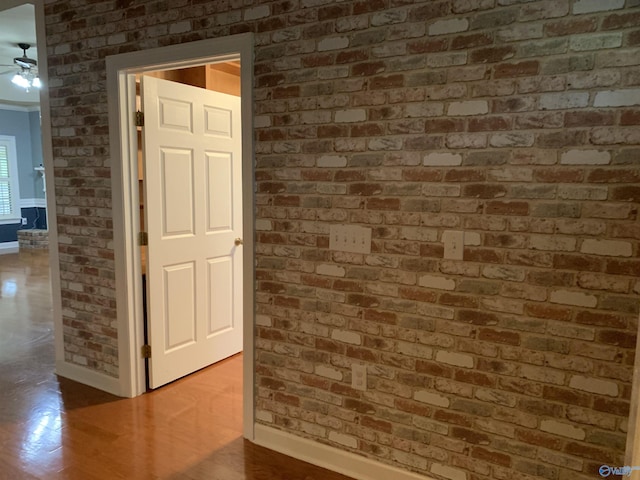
{"type": "Point", "coordinates": [515, 122]}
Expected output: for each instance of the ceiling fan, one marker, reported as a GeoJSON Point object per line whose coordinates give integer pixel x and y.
{"type": "Point", "coordinates": [27, 74]}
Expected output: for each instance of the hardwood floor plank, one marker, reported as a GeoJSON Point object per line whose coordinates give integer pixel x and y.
{"type": "Point", "coordinates": [54, 428]}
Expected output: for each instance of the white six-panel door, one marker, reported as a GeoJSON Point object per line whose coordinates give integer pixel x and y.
{"type": "Point", "coordinates": [193, 208]}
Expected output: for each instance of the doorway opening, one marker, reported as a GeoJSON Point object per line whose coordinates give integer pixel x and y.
{"type": "Point", "coordinates": [189, 175]}
{"type": "Point", "coordinates": [215, 59]}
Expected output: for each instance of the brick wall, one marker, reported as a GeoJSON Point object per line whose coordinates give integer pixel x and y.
{"type": "Point", "coordinates": [511, 125]}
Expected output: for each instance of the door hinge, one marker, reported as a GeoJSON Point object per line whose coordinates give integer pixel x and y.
{"type": "Point", "coordinates": [143, 239]}
{"type": "Point", "coordinates": [139, 118]}
{"type": "Point", "coordinates": [146, 351]}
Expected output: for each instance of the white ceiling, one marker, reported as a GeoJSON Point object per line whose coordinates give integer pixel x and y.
{"type": "Point", "coordinates": [17, 25]}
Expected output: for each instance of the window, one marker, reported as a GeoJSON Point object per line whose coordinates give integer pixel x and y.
{"type": "Point", "coordinates": [9, 194]}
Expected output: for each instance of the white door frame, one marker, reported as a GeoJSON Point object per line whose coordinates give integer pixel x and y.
{"type": "Point", "coordinates": [121, 70]}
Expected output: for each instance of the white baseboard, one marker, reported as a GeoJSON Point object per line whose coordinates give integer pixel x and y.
{"type": "Point", "coordinates": [9, 247]}
{"type": "Point", "coordinates": [88, 377]}
{"type": "Point", "coordinates": [331, 458]}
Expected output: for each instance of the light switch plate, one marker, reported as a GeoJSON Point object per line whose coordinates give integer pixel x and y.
{"type": "Point", "coordinates": [350, 238]}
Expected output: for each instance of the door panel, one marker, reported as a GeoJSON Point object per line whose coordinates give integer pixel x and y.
{"type": "Point", "coordinates": [179, 313]}
{"type": "Point", "coordinates": [178, 197]}
{"type": "Point", "coordinates": [193, 204]}
{"type": "Point", "coordinates": [220, 178]}
{"type": "Point", "coordinates": [220, 303]}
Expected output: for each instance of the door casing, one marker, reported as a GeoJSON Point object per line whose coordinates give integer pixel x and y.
{"type": "Point", "coordinates": [121, 71]}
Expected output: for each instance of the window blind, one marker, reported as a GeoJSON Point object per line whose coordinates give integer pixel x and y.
{"type": "Point", "coordinates": [6, 202]}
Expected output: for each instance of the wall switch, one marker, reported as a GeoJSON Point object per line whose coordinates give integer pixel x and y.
{"type": "Point", "coordinates": [453, 244]}
{"type": "Point", "coordinates": [24, 221]}
{"type": "Point", "coordinates": [350, 238]}
{"type": "Point", "coordinates": [359, 377]}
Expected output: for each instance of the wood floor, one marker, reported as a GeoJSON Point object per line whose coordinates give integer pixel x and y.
{"type": "Point", "coordinates": [53, 428]}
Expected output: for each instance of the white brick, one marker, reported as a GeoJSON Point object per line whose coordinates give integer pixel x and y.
{"type": "Point", "coordinates": [512, 139]}
{"type": "Point", "coordinates": [567, 297]}
{"type": "Point", "coordinates": [585, 157]}
{"type": "Point", "coordinates": [328, 372]}
{"type": "Point", "coordinates": [431, 398]}
{"type": "Point", "coordinates": [521, 32]}
{"type": "Point", "coordinates": [453, 25]}
{"type": "Point", "coordinates": [448, 472]}
{"type": "Point", "coordinates": [385, 143]}
{"type": "Point", "coordinates": [562, 429]}
{"type": "Point", "coordinates": [388, 17]}
{"type": "Point", "coordinates": [414, 350]}
{"type": "Point", "coordinates": [342, 439]}
{"type": "Point", "coordinates": [254, 13]}
{"type": "Point", "coordinates": [180, 27]}
{"type": "Point", "coordinates": [594, 385]}
{"type": "Point", "coordinates": [346, 337]}
{"type": "Point", "coordinates": [350, 116]}
{"type": "Point", "coordinates": [434, 281]}
{"type": "Point", "coordinates": [617, 98]}
{"type": "Point", "coordinates": [442, 159]}
{"type": "Point", "coordinates": [117, 39]}
{"type": "Point", "coordinates": [561, 460]}
{"type": "Point", "coordinates": [583, 193]}
{"type": "Point", "coordinates": [589, 6]}
{"type": "Point", "coordinates": [457, 359]}
{"type": "Point", "coordinates": [609, 248]}
{"type": "Point", "coordinates": [559, 101]}
{"type": "Point", "coordinates": [447, 59]}
{"type": "Point", "coordinates": [332, 161]}
{"type": "Point", "coordinates": [261, 121]}
{"type": "Point", "coordinates": [264, 416]}
{"type": "Point", "coordinates": [472, 238]}
{"type": "Point", "coordinates": [471, 107]}
{"type": "Point", "coordinates": [62, 49]}
{"type": "Point", "coordinates": [596, 42]}
{"type": "Point", "coordinates": [263, 320]}
{"type": "Point", "coordinates": [330, 270]}
{"type": "Point", "coordinates": [552, 243]}
{"type": "Point", "coordinates": [263, 225]}
{"type": "Point", "coordinates": [542, 374]}
{"type": "Point", "coordinates": [467, 140]}
{"type": "Point", "coordinates": [334, 43]}
{"type": "Point", "coordinates": [71, 211]}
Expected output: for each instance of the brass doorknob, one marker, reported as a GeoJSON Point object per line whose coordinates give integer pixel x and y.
{"type": "Point", "coordinates": [238, 241]}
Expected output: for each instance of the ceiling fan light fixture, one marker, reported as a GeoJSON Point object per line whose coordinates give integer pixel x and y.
{"type": "Point", "coordinates": [20, 81]}
{"type": "Point", "coordinates": [26, 80]}
{"type": "Point", "coordinates": [27, 76]}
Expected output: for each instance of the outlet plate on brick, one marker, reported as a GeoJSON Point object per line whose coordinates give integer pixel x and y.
{"type": "Point", "coordinates": [350, 238]}
{"type": "Point", "coordinates": [359, 377]}
{"type": "Point", "coordinates": [453, 244]}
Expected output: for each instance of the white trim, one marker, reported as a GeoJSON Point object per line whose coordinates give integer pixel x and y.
{"type": "Point", "coordinates": [331, 458]}
{"type": "Point", "coordinates": [9, 247]}
{"type": "Point", "coordinates": [11, 221]}
{"type": "Point", "coordinates": [121, 70]}
{"type": "Point", "coordinates": [632, 452]}
{"type": "Point", "coordinates": [33, 203]}
{"type": "Point", "coordinates": [88, 377]}
{"type": "Point", "coordinates": [19, 108]}
{"type": "Point", "coordinates": [47, 160]}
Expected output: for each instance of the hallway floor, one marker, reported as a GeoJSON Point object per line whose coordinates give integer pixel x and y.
{"type": "Point", "coordinates": [53, 428]}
